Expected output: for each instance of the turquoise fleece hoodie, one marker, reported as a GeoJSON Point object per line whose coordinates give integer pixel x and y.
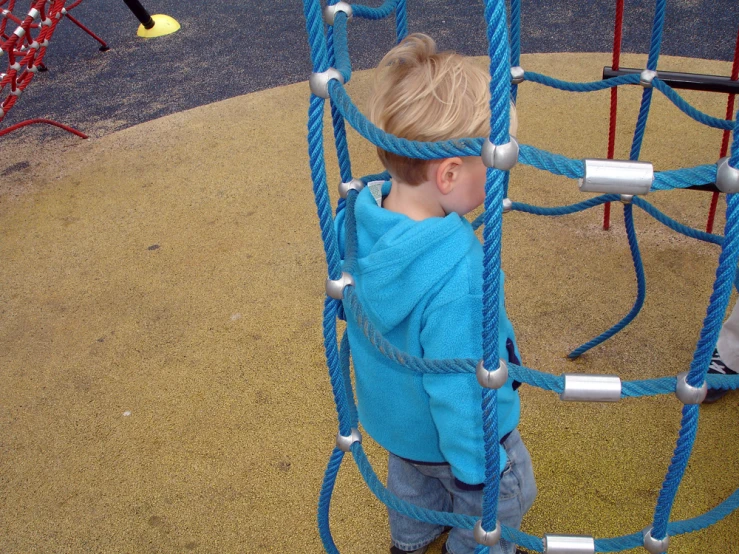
{"type": "Point", "coordinates": [420, 283]}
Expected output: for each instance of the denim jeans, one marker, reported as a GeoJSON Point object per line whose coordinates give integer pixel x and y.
{"type": "Point", "coordinates": [434, 487]}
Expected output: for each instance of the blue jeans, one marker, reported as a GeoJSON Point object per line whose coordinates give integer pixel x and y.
{"type": "Point", "coordinates": [434, 487]}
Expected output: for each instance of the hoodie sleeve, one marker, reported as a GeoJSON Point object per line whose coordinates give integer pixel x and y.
{"type": "Point", "coordinates": [453, 330]}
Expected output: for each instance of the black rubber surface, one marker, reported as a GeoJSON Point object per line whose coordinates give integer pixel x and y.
{"type": "Point", "coordinates": [225, 49]}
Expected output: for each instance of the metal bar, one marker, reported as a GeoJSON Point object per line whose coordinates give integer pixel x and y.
{"type": "Point", "coordinates": [688, 81]}
{"type": "Point", "coordinates": [140, 12]}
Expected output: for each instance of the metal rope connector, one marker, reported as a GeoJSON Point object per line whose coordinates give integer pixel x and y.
{"type": "Point", "coordinates": [568, 544]}
{"type": "Point", "coordinates": [487, 538]}
{"type": "Point", "coordinates": [688, 394]}
{"type": "Point", "coordinates": [501, 156]}
{"type": "Point", "coordinates": [354, 184]}
{"type": "Point", "coordinates": [492, 379]}
{"type": "Point", "coordinates": [517, 75]}
{"type": "Point", "coordinates": [344, 443]}
{"type": "Point", "coordinates": [329, 13]}
{"type": "Point", "coordinates": [646, 77]}
{"type": "Point", "coordinates": [591, 388]}
{"type": "Point", "coordinates": [727, 177]}
{"type": "Point", "coordinates": [318, 81]}
{"type": "Point", "coordinates": [617, 177]}
{"type": "Point", "coordinates": [335, 289]}
{"type": "Point", "coordinates": [653, 545]}
{"type": "Point", "coordinates": [507, 205]}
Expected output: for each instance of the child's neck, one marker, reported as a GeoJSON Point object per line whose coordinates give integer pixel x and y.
{"type": "Point", "coordinates": [418, 202]}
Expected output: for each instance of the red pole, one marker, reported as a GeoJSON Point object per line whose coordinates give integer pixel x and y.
{"type": "Point", "coordinates": [617, 34]}
{"type": "Point", "coordinates": [727, 134]}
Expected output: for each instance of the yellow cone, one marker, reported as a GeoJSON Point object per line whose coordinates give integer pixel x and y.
{"type": "Point", "coordinates": [163, 25]}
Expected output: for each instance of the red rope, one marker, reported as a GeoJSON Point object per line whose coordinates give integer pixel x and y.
{"type": "Point", "coordinates": [727, 134]}
{"type": "Point", "coordinates": [47, 121]}
{"type": "Point", "coordinates": [616, 60]}
{"type": "Point", "coordinates": [23, 64]}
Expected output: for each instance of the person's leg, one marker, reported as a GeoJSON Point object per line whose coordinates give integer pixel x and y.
{"type": "Point", "coordinates": [725, 360]}
{"type": "Point", "coordinates": [517, 494]}
{"type": "Point", "coordinates": [415, 484]}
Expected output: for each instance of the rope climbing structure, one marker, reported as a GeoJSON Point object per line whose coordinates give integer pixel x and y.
{"type": "Point", "coordinates": [26, 47]}
{"type": "Point", "coordinates": [619, 180]}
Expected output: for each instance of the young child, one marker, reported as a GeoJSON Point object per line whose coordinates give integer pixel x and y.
{"type": "Point", "coordinates": [419, 278]}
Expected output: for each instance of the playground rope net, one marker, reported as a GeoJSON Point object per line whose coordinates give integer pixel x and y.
{"type": "Point", "coordinates": [25, 47]}
{"type": "Point", "coordinates": [331, 70]}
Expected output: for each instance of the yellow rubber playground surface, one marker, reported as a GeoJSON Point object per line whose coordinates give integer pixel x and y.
{"type": "Point", "coordinates": [162, 379]}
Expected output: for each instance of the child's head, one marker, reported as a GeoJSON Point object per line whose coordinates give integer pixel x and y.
{"type": "Point", "coordinates": [425, 95]}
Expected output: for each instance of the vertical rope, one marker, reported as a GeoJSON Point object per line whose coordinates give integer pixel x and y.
{"type": "Point", "coordinates": [515, 41]}
{"type": "Point", "coordinates": [646, 100]}
{"type": "Point", "coordinates": [497, 31]}
{"type": "Point", "coordinates": [339, 127]}
{"type": "Point", "coordinates": [709, 334]}
{"type": "Point", "coordinates": [641, 288]}
{"type": "Point", "coordinates": [725, 275]}
{"type": "Point", "coordinates": [324, 501]}
{"type": "Point", "coordinates": [515, 32]}
{"type": "Point", "coordinates": [401, 20]}
{"type": "Point", "coordinates": [320, 59]}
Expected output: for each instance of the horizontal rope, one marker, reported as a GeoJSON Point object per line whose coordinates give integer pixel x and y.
{"type": "Point", "coordinates": [689, 110]}
{"type": "Point", "coordinates": [683, 178]}
{"type": "Point", "coordinates": [570, 86]}
{"type": "Point", "coordinates": [675, 225]}
{"type": "Point", "coordinates": [381, 12]}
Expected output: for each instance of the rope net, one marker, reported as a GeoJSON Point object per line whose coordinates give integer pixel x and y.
{"type": "Point", "coordinates": [24, 40]}
{"type": "Point", "coordinates": [329, 51]}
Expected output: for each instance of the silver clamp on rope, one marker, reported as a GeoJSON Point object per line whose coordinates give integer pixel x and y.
{"type": "Point", "coordinates": [16, 92]}
{"type": "Point", "coordinates": [591, 388]}
{"type": "Point", "coordinates": [646, 77]}
{"type": "Point", "coordinates": [20, 32]}
{"type": "Point", "coordinates": [507, 205]}
{"type": "Point", "coordinates": [688, 394]}
{"type": "Point", "coordinates": [335, 289]}
{"type": "Point", "coordinates": [627, 198]}
{"type": "Point", "coordinates": [617, 177]}
{"type": "Point", "coordinates": [652, 545]}
{"type": "Point", "coordinates": [354, 184]}
{"type": "Point", "coordinates": [487, 538]}
{"type": "Point", "coordinates": [501, 156]}
{"type": "Point", "coordinates": [344, 443]}
{"type": "Point", "coordinates": [34, 13]}
{"type": "Point", "coordinates": [517, 74]}
{"type": "Point", "coordinates": [727, 177]}
{"type": "Point", "coordinates": [492, 379]}
{"type": "Point", "coordinates": [47, 22]}
{"type": "Point", "coordinates": [329, 13]}
{"type": "Point", "coordinates": [568, 544]}
{"type": "Point", "coordinates": [318, 81]}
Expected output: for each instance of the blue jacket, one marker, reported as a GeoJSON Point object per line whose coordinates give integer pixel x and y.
{"type": "Point", "coordinates": [420, 283]}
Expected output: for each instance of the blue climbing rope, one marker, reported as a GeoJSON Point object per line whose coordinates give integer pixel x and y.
{"type": "Point", "coordinates": [329, 48]}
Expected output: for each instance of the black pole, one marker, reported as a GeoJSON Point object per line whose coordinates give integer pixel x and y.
{"type": "Point", "coordinates": [140, 12]}
{"type": "Point", "coordinates": [691, 81]}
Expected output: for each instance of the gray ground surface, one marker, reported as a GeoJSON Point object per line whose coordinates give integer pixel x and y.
{"type": "Point", "coordinates": [226, 49]}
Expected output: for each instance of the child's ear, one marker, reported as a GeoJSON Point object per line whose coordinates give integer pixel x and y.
{"type": "Point", "coordinates": [447, 174]}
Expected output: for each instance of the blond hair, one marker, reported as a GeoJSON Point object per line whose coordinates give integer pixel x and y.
{"type": "Point", "coordinates": [425, 95]}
